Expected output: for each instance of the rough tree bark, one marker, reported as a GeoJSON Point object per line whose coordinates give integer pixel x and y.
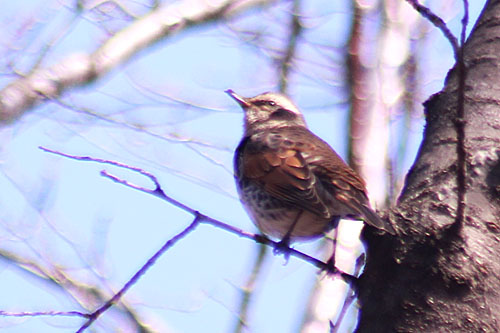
{"type": "Point", "coordinates": [442, 273]}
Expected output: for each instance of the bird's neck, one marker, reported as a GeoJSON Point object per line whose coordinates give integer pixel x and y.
{"type": "Point", "coordinates": [269, 124]}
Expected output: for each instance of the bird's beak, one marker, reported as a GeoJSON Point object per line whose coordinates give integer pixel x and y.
{"type": "Point", "coordinates": [240, 99]}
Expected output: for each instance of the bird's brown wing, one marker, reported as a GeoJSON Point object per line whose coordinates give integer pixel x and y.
{"type": "Point", "coordinates": [276, 163]}
{"type": "Point", "coordinates": [338, 179]}
{"type": "Point", "coordinates": [346, 186]}
{"type": "Point", "coordinates": [296, 166]}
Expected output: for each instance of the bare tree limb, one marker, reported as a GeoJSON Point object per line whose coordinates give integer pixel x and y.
{"type": "Point", "coordinates": [80, 69]}
{"type": "Point", "coordinates": [248, 289]}
{"type": "Point", "coordinates": [438, 23]}
{"type": "Point", "coordinates": [198, 219]}
{"type": "Point", "coordinates": [357, 82]}
{"type": "Point", "coordinates": [459, 121]}
{"type": "Point", "coordinates": [44, 313]}
{"type": "Point", "coordinates": [83, 293]}
{"type": "Point", "coordinates": [286, 62]}
{"type": "Point", "coordinates": [351, 297]}
{"type": "Point", "coordinates": [116, 297]}
{"type": "Point", "coordinates": [203, 218]}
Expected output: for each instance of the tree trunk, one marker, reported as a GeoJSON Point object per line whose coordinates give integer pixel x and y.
{"type": "Point", "coordinates": [441, 273]}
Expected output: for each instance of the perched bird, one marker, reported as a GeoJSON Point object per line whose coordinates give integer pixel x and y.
{"type": "Point", "coordinates": [293, 184]}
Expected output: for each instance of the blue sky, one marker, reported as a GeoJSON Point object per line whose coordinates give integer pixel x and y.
{"type": "Point", "coordinates": [56, 210]}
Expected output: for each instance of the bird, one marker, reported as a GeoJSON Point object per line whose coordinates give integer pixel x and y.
{"type": "Point", "coordinates": [293, 185]}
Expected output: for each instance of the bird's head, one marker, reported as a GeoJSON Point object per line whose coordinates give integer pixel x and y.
{"type": "Point", "coordinates": [267, 111]}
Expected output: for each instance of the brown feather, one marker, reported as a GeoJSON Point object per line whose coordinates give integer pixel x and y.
{"type": "Point", "coordinates": [292, 182]}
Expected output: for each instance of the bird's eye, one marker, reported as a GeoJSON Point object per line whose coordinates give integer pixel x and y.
{"type": "Point", "coordinates": [260, 103]}
{"type": "Point", "coordinates": [264, 102]}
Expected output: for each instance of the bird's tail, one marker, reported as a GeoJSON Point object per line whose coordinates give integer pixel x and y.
{"type": "Point", "coordinates": [374, 220]}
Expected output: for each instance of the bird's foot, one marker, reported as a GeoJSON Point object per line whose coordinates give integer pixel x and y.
{"type": "Point", "coordinates": [283, 247]}
{"type": "Point", "coordinates": [330, 268]}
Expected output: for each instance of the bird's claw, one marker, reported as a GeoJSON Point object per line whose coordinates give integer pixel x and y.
{"type": "Point", "coordinates": [330, 268]}
{"type": "Point", "coordinates": [283, 247]}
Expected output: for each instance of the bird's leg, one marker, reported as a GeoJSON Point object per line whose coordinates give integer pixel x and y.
{"type": "Point", "coordinates": [334, 223]}
{"type": "Point", "coordinates": [330, 263]}
{"type": "Point", "coordinates": [283, 245]}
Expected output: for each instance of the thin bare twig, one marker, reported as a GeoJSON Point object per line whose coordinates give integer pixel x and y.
{"type": "Point", "coordinates": [438, 23]}
{"type": "Point", "coordinates": [44, 313]}
{"type": "Point", "coordinates": [189, 143]}
{"type": "Point", "coordinates": [83, 294]}
{"type": "Point", "coordinates": [158, 191]}
{"type": "Point", "coordinates": [198, 219]}
{"type": "Point", "coordinates": [202, 218]}
{"type": "Point", "coordinates": [286, 62]}
{"type": "Point", "coordinates": [248, 289]}
{"type": "Point", "coordinates": [151, 261]}
{"type": "Point", "coordinates": [350, 298]}
{"type": "Point", "coordinates": [459, 121]}
{"type": "Point", "coordinates": [80, 69]}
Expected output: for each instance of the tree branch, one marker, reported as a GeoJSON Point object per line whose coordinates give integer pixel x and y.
{"type": "Point", "coordinates": [83, 294]}
{"type": "Point", "coordinates": [198, 219]}
{"type": "Point", "coordinates": [438, 23]}
{"type": "Point", "coordinates": [116, 297]}
{"type": "Point", "coordinates": [80, 69]}
{"type": "Point", "coordinates": [286, 62]}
